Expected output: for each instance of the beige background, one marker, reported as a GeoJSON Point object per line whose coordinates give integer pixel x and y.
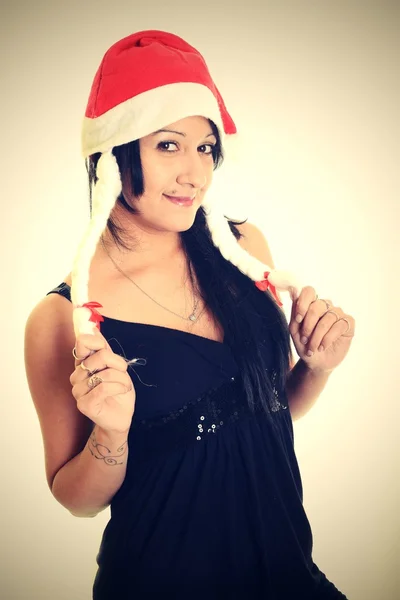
{"type": "Point", "coordinates": [314, 91]}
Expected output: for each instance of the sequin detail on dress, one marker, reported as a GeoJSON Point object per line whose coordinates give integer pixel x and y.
{"type": "Point", "coordinates": [277, 404]}
{"type": "Point", "coordinates": [195, 421]}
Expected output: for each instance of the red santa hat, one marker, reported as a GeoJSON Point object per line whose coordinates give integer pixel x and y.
{"type": "Point", "coordinates": [145, 81]}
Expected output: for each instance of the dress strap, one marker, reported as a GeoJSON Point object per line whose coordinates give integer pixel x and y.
{"type": "Point", "coordinates": [63, 289]}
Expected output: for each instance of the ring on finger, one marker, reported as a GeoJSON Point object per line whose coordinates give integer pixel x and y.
{"type": "Point", "coordinates": [348, 325]}
{"type": "Point", "coordinates": [75, 355]}
{"type": "Point", "coordinates": [322, 300]}
{"type": "Point", "coordinates": [93, 381]}
{"type": "Point", "coordinates": [90, 371]}
{"type": "Point", "coordinates": [328, 306]}
{"type": "Point", "coordinates": [336, 315]}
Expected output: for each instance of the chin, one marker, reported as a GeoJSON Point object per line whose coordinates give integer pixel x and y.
{"type": "Point", "coordinates": [184, 225]}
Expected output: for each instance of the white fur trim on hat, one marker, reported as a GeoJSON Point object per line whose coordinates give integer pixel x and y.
{"type": "Point", "coordinates": [151, 110]}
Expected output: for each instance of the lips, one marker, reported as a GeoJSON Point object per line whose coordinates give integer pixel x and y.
{"type": "Point", "coordinates": [180, 200]}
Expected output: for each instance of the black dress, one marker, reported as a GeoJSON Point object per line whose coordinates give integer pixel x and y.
{"type": "Point", "coordinates": [211, 506]}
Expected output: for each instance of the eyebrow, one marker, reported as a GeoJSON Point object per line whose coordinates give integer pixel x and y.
{"type": "Point", "coordinates": [178, 132]}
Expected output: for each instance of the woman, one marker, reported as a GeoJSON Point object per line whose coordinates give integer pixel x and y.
{"type": "Point", "coordinates": [180, 412]}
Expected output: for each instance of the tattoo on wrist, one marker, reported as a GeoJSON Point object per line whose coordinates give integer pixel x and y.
{"type": "Point", "coordinates": [101, 452]}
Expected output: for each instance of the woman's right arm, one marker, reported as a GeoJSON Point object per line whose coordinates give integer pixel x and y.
{"type": "Point", "coordinates": [88, 482]}
{"type": "Point", "coordinates": [85, 463]}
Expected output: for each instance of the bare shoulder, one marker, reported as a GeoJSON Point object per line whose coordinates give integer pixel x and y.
{"type": "Point", "coordinates": [51, 320]}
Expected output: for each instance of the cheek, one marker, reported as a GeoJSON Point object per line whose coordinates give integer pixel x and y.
{"type": "Point", "coordinates": [208, 182]}
{"type": "Point", "coordinates": [158, 178]}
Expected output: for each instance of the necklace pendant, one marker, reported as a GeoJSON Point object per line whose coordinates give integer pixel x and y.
{"type": "Point", "coordinates": [192, 317]}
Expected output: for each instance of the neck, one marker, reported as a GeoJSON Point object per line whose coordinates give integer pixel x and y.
{"type": "Point", "coordinates": [163, 274]}
{"type": "Point", "coordinates": [144, 251]}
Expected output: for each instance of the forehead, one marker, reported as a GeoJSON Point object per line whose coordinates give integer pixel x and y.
{"type": "Point", "coordinates": [196, 126]}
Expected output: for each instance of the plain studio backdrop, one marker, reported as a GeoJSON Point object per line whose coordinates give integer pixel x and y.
{"type": "Point", "coordinates": [314, 91]}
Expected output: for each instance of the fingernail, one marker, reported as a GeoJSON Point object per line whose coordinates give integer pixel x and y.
{"type": "Point", "coordinates": [321, 348]}
{"type": "Point", "coordinates": [299, 318]}
{"type": "Point", "coordinates": [304, 340]}
{"type": "Point", "coordinates": [310, 353]}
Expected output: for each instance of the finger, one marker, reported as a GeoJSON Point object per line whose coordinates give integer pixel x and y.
{"type": "Point", "coordinates": [113, 382]}
{"type": "Point", "coordinates": [316, 311]}
{"type": "Point", "coordinates": [337, 330]}
{"type": "Point", "coordinates": [324, 330]}
{"type": "Point", "coordinates": [293, 325]}
{"type": "Point", "coordinates": [299, 310]}
{"type": "Point", "coordinates": [86, 344]}
{"type": "Point", "coordinates": [329, 301]}
{"type": "Point", "coordinates": [307, 296]}
{"type": "Point", "coordinates": [98, 362]}
{"type": "Point", "coordinates": [92, 404]}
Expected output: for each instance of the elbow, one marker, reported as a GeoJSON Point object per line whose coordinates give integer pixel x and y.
{"type": "Point", "coordinates": [82, 515]}
{"type": "Point", "coordinates": [86, 513]}
{"type": "Point", "coordinates": [75, 511]}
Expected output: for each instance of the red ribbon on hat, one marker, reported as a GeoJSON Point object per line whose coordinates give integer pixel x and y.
{"type": "Point", "coordinates": [264, 285]}
{"type": "Point", "coordinates": [95, 317]}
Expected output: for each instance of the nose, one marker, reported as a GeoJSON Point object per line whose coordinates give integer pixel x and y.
{"type": "Point", "coordinates": [193, 171]}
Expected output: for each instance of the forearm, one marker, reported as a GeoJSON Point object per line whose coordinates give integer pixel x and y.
{"type": "Point", "coordinates": [303, 387]}
{"type": "Point", "coordinates": [88, 482]}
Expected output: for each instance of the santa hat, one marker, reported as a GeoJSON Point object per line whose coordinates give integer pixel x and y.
{"type": "Point", "coordinates": [145, 82]}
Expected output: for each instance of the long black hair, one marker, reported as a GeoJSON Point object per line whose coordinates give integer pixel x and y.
{"type": "Point", "coordinates": [229, 294]}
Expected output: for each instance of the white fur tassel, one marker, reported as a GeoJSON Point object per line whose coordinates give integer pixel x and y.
{"type": "Point", "coordinates": [224, 240]}
{"type": "Point", "coordinates": [105, 193]}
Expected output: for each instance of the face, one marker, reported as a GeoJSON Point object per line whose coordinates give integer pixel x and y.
{"type": "Point", "coordinates": [176, 162]}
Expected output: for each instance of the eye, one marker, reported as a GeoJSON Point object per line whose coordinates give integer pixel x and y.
{"type": "Point", "coordinates": [211, 146]}
{"type": "Point", "coordinates": [166, 143]}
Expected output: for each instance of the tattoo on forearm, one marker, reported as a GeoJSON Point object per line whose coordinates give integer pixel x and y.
{"type": "Point", "coordinates": [101, 452]}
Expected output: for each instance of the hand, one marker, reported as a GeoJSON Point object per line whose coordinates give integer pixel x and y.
{"type": "Point", "coordinates": [321, 328]}
{"type": "Point", "coordinates": [111, 403]}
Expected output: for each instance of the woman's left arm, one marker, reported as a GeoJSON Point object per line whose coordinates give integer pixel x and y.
{"type": "Point", "coordinates": [303, 387]}
{"type": "Point", "coordinates": [321, 333]}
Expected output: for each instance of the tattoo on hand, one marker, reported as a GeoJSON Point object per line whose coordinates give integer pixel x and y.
{"type": "Point", "coordinates": [101, 452]}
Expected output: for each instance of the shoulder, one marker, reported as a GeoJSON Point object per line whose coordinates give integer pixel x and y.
{"type": "Point", "coordinates": [49, 326]}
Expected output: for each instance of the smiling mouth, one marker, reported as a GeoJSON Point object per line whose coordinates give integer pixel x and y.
{"type": "Point", "coordinates": [180, 201]}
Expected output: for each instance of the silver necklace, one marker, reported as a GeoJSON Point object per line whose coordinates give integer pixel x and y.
{"type": "Point", "coordinates": [192, 317]}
